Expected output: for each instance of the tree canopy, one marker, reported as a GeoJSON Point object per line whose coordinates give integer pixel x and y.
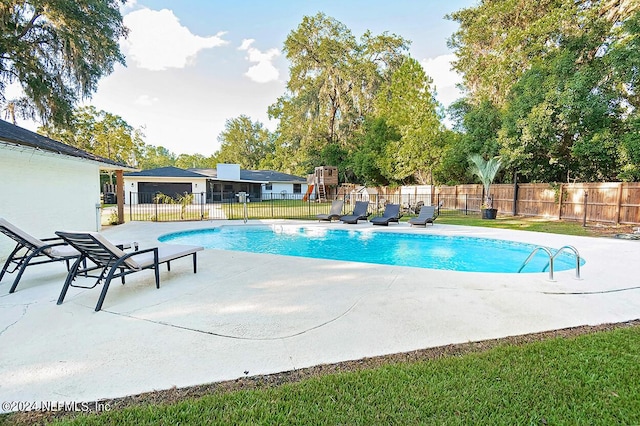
{"type": "Point", "coordinates": [551, 87]}
{"type": "Point", "coordinates": [57, 50]}
{"type": "Point", "coordinates": [334, 79]}
{"type": "Point", "coordinates": [244, 142]}
{"type": "Point", "coordinates": [562, 76]}
{"type": "Point", "coordinates": [101, 133]}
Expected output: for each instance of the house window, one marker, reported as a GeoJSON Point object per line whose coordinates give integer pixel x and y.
{"type": "Point", "coordinates": [268, 187]}
{"type": "Point", "coordinates": [297, 188]}
{"type": "Point", "coordinates": [228, 187]}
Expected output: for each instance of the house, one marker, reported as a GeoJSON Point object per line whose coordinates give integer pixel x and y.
{"type": "Point", "coordinates": [221, 184]}
{"type": "Point", "coordinates": [46, 186]}
{"type": "Point", "coordinates": [141, 187]}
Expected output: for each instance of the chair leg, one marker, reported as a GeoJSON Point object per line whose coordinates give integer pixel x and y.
{"type": "Point", "coordinates": [105, 287]}
{"type": "Point", "coordinates": [24, 265]}
{"type": "Point", "coordinates": [156, 270]}
{"type": "Point", "coordinates": [9, 260]}
{"type": "Point", "coordinates": [70, 276]}
{"type": "Point", "coordinates": [195, 263]}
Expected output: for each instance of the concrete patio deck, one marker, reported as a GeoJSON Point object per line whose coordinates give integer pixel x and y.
{"type": "Point", "coordinates": [249, 314]}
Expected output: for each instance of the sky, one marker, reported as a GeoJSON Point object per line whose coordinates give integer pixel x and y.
{"type": "Point", "coordinates": [191, 65]}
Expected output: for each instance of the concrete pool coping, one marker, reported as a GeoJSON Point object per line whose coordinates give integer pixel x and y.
{"type": "Point", "coordinates": [250, 314]}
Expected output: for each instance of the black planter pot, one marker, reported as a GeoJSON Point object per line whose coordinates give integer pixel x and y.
{"type": "Point", "coordinates": [489, 213]}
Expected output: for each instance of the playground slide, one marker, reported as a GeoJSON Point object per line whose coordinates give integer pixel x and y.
{"type": "Point", "coordinates": [309, 191]}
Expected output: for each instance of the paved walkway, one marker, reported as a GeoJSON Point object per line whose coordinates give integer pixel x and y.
{"type": "Point", "coordinates": [247, 314]}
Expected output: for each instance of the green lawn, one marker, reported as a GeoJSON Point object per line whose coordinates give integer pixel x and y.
{"type": "Point", "coordinates": [523, 223]}
{"type": "Point", "coordinates": [591, 379]}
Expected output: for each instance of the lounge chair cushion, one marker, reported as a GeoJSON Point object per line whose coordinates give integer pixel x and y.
{"type": "Point", "coordinates": [426, 215]}
{"type": "Point", "coordinates": [334, 212]}
{"type": "Point", "coordinates": [391, 214]}
{"type": "Point", "coordinates": [165, 254]}
{"type": "Point", "coordinates": [140, 261]}
{"type": "Point", "coordinates": [35, 242]}
{"type": "Point", "coordinates": [62, 251]}
{"type": "Point", "coordinates": [359, 213]}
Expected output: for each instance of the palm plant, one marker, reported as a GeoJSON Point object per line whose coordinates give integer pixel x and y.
{"type": "Point", "coordinates": [486, 170]}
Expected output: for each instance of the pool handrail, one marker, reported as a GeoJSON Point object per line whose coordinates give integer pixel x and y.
{"type": "Point", "coordinates": [552, 256]}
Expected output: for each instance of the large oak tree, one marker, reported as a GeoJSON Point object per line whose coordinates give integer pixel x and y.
{"type": "Point", "coordinates": [334, 79]}
{"type": "Point", "coordinates": [57, 50]}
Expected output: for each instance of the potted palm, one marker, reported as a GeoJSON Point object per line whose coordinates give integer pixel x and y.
{"type": "Point", "coordinates": [486, 170]}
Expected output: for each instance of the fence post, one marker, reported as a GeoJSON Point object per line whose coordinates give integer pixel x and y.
{"type": "Point", "coordinates": [455, 199]}
{"type": "Point", "coordinates": [561, 196]}
{"type": "Point", "coordinates": [584, 218]}
{"type": "Point", "coordinates": [515, 193]}
{"type": "Point", "coordinates": [203, 200]}
{"type": "Point", "coordinates": [619, 203]}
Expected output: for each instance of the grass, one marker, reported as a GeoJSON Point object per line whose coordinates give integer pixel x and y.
{"type": "Point", "coordinates": [525, 224]}
{"type": "Point", "coordinates": [590, 379]}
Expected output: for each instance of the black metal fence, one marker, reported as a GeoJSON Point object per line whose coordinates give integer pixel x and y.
{"type": "Point", "coordinates": [189, 207]}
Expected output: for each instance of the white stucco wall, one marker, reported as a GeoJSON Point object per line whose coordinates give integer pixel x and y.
{"type": "Point", "coordinates": [278, 188]}
{"type": "Point", "coordinates": [198, 185]}
{"type": "Point", "coordinates": [42, 193]}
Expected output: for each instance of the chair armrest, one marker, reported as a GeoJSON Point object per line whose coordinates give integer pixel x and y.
{"type": "Point", "coordinates": [133, 253]}
{"type": "Point", "coordinates": [124, 246]}
{"type": "Point", "coordinates": [51, 239]}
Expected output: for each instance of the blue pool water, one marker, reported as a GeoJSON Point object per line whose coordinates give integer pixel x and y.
{"type": "Point", "coordinates": [404, 249]}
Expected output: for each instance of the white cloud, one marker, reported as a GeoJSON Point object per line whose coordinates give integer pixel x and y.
{"type": "Point", "coordinates": [145, 100]}
{"type": "Point", "coordinates": [444, 78]}
{"type": "Point", "coordinates": [129, 4]}
{"type": "Point", "coordinates": [157, 41]}
{"type": "Point", "coordinates": [264, 71]}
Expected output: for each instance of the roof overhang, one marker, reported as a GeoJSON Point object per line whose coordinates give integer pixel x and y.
{"type": "Point", "coordinates": [39, 151]}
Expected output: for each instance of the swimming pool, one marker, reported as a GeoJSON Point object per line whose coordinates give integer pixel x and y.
{"type": "Point", "coordinates": [420, 250]}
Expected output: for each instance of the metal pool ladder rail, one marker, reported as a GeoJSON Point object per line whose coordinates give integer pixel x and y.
{"type": "Point", "coordinates": [551, 258]}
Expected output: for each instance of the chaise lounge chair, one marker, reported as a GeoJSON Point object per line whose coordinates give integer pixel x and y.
{"type": "Point", "coordinates": [111, 262]}
{"type": "Point", "coordinates": [391, 214]}
{"type": "Point", "coordinates": [30, 250]}
{"type": "Point", "coordinates": [427, 215]}
{"type": "Point", "coordinates": [359, 213]}
{"type": "Point", "coordinates": [334, 213]}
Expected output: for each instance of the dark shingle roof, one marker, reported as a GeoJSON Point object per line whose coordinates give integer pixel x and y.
{"type": "Point", "coordinates": [170, 171]}
{"type": "Point", "coordinates": [257, 175]}
{"type": "Point", "coordinates": [17, 135]}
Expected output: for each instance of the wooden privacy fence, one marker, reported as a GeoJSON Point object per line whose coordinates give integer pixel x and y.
{"type": "Point", "coordinates": [616, 202]}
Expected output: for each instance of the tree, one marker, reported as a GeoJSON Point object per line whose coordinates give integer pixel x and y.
{"type": "Point", "coordinates": [476, 132]}
{"type": "Point", "coordinates": [244, 142]}
{"type": "Point", "coordinates": [101, 133]}
{"type": "Point", "coordinates": [569, 116]}
{"type": "Point", "coordinates": [486, 170]}
{"type": "Point", "coordinates": [498, 39]}
{"type": "Point", "coordinates": [57, 50]}
{"type": "Point", "coordinates": [154, 157]}
{"type": "Point", "coordinates": [371, 165]}
{"type": "Point", "coordinates": [334, 79]}
{"type": "Point", "coordinates": [408, 104]}
{"type": "Point", "coordinates": [195, 161]}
